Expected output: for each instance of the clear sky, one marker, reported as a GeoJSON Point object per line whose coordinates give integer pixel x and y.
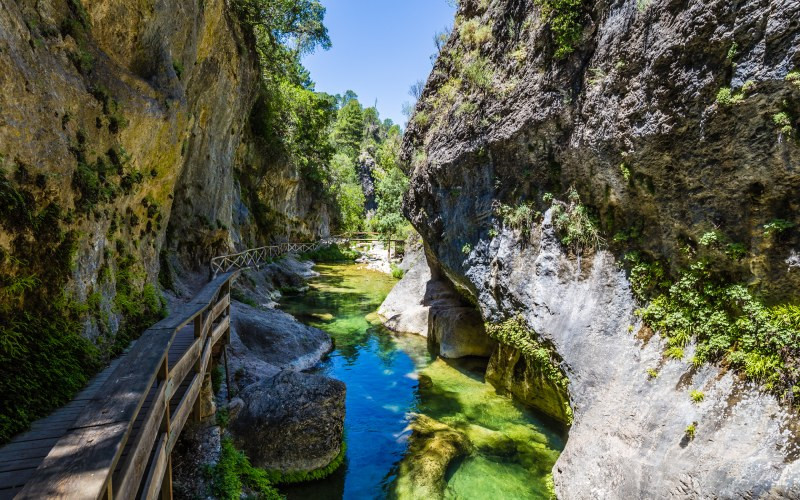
{"type": "Point", "coordinates": [380, 48]}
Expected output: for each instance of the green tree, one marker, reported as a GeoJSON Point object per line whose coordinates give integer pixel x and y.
{"type": "Point", "coordinates": [348, 131]}
{"type": "Point", "coordinates": [347, 192]}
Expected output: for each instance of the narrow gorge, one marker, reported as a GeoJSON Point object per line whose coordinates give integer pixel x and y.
{"type": "Point", "coordinates": [570, 270]}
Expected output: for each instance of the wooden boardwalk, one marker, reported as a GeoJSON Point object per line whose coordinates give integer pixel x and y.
{"type": "Point", "coordinates": [114, 439]}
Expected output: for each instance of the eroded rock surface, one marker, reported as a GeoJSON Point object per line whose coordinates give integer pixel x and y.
{"type": "Point", "coordinates": [631, 119]}
{"type": "Point", "coordinates": [291, 422]}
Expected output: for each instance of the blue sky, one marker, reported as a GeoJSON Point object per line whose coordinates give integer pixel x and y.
{"type": "Point", "coordinates": [380, 48]}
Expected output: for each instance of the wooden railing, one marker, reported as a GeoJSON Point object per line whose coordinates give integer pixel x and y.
{"type": "Point", "coordinates": [82, 463]}
{"type": "Point", "coordinates": [255, 257]}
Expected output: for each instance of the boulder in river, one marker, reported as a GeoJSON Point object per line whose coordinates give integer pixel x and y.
{"type": "Point", "coordinates": [292, 422]}
{"type": "Point", "coordinates": [277, 338]}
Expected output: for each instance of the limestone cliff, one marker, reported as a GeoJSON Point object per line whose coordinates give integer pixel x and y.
{"type": "Point", "coordinates": [671, 120]}
{"type": "Point", "coordinates": [124, 149]}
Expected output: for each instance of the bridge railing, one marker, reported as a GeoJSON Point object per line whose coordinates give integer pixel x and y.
{"type": "Point", "coordinates": [257, 256]}
{"type": "Point", "coordinates": [82, 463]}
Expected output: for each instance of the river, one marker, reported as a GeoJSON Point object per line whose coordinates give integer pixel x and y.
{"type": "Point", "coordinates": [390, 378]}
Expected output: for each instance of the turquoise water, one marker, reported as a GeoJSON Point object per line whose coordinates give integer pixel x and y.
{"type": "Point", "coordinates": [390, 378]}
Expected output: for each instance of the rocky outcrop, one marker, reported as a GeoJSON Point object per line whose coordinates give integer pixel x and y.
{"type": "Point", "coordinates": [524, 377]}
{"type": "Point", "coordinates": [291, 422]}
{"type": "Point", "coordinates": [432, 447]}
{"type": "Point", "coordinates": [426, 306]}
{"type": "Point", "coordinates": [633, 121]}
{"type": "Point", "coordinates": [455, 331]}
{"type": "Point", "coordinates": [278, 339]}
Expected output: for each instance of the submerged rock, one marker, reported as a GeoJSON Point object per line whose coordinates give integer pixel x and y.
{"type": "Point", "coordinates": [292, 422]}
{"type": "Point", "coordinates": [432, 447]}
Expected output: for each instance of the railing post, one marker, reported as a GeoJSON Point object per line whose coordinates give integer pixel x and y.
{"type": "Point", "coordinates": [198, 334]}
{"type": "Point", "coordinates": [166, 483]}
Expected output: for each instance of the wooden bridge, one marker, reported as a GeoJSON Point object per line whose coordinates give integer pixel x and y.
{"type": "Point", "coordinates": [115, 438]}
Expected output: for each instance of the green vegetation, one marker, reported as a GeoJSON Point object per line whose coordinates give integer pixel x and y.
{"type": "Point", "coordinates": [233, 472]}
{"type": "Point", "coordinates": [44, 359]}
{"type": "Point", "coordinates": [564, 18]}
{"type": "Point", "coordinates": [777, 226]}
{"type": "Point", "coordinates": [397, 272]}
{"type": "Point", "coordinates": [520, 218]}
{"type": "Point", "coordinates": [233, 475]}
{"type": "Point", "coordinates": [652, 373]}
{"type": "Point", "coordinates": [475, 33]}
{"type": "Point", "coordinates": [727, 97]}
{"type": "Point", "coordinates": [325, 136]}
{"type": "Point", "coordinates": [726, 321]}
{"type": "Point", "coordinates": [697, 396]}
{"type": "Point", "coordinates": [331, 253]}
{"type": "Point", "coordinates": [690, 430]}
{"type": "Point", "coordinates": [576, 229]}
{"type": "Point", "coordinates": [784, 122]}
{"type": "Point", "coordinates": [794, 77]}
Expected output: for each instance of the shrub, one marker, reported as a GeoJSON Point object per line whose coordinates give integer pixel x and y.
{"type": "Point", "coordinates": [576, 229]}
{"type": "Point", "coordinates": [233, 471]}
{"type": "Point", "coordinates": [397, 272]}
{"type": "Point", "coordinates": [520, 218]}
{"type": "Point", "coordinates": [690, 430]}
{"type": "Point", "coordinates": [652, 373]}
{"type": "Point", "coordinates": [726, 97]}
{"type": "Point", "coordinates": [784, 122]}
{"type": "Point", "coordinates": [475, 33]}
{"type": "Point", "coordinates": [478, 72]}
{"type": "Point", "coordinates": [697, 396]}
{"type": "Point", "coordinates": [794, 77]}
{"type": "Point", "coordinates": [777, 226]}
{"type": "Point", "coordinates": [564, 18]}
{"type": "Point", "coordinates": [728, 323]}
{"type": "Point", "coordinates": [466, 249]}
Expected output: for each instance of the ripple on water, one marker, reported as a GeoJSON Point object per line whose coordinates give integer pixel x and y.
{"type": "Point", "coordinates": [390, 378]}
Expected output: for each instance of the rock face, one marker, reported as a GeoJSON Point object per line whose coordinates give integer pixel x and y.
{"type": "Point", "coordinates": [404, 309]}
{"type": "Point", "coordinates": [429, 307]}
{"type": "Point", "coordinates": [291, 422]}
{"type": "Point", "coordinates": [366, 165]}
{"type": "Point", "coordinates": [456, 331]}
{"type": "Point", "coordinates": [631, 119]}
{"type": "Point", "coordinates": [511, 370]}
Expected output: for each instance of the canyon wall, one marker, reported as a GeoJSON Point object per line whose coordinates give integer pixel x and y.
{"type": "Point", "coordinates": [667, 122]}
{"type": "Point", "coordinates": [126, 152]}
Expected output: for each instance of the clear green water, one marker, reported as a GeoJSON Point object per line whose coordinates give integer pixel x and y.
{"type": "Point", "coordinates": [390, 378]}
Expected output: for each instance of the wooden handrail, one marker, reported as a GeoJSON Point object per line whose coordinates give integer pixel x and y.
{"type": "Point", "coordinates": [82, 462]}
